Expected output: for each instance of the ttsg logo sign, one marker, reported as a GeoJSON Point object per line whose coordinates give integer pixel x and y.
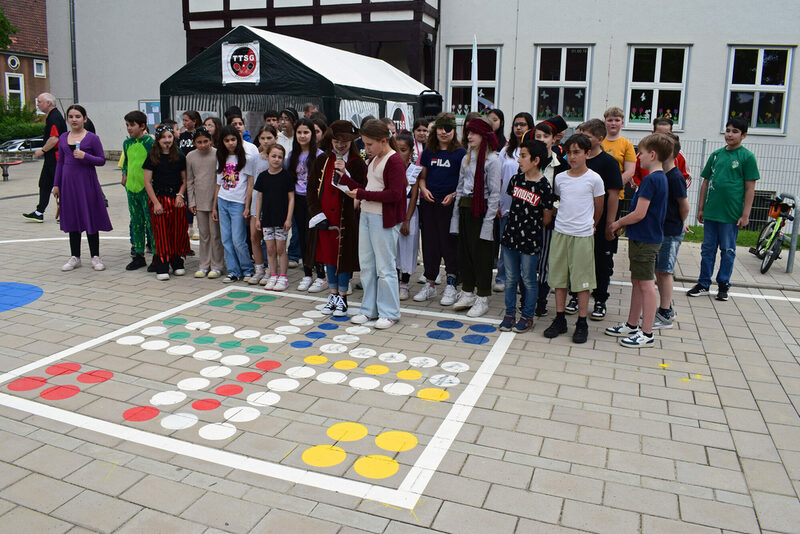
{"type": "Point", "coordinates": [240, 63]}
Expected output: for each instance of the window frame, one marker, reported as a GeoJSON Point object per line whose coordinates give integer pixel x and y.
{"type": "Point", "coordinates": [40, 63]}
{"type": "Point", "coordinates": [561, 83]}
{"type": "Point", "coordinates": [451, 84]}
{"type": "Point", "coordinates": [656, 86]}
{"type": "Point", "coordinates": [21, 90]}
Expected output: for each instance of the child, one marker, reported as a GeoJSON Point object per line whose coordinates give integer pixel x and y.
{"type": "Point", "coordinates": [249, 148]}
{"type": "Point", "coordinates": [165, 183]}
{"type": "Point", "coordinates": [619, 147]}
{"type": "Point", "coordinates": [726, 196]}
{"type": "Point", "coordinates": [191, 120]}
{"type": "Point", "coordinates": [477, 198]}
{"type": "Point", "coordinates": [408, 245]}
{"type": "Point", "coordinates": [134, 151]}
{"type": "Point", "coordinates": [271, 118]}
{"type": "Point", "coordinates": [645, 235]}
{"type": "Point", "coordinates": [664, 125]}
{"type": "Point", "coordinates": [286, 121]}
{"type": "Point", "coordinates": [266, 137]}
{"type": "Point", "coordinates": [530, 211]}
{"type": "Point", "coordinates": [677, 211]}
{"type": "Point", "coordinates": [234, 171]}
{"type": "Point", "coordinates": [201, 182]}
{"type": "Point", "coordinates": [580, 192]}
{"type": "Point", "coordinates": [214, 127]}
{"type": "Point", "coordinates": [274, 206]}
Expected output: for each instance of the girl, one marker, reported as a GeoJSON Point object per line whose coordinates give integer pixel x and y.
{"type": "Point", "coordinates": [440, 161]}
{"type": "Point", "coordinates": [275, 203]}
{"type": "Point", "coordinates": [469, 116]}
{"type": "Point", "coordinates": [165, 183]}
{"type": "Point", "coordinates": [230, 208]}
{"type": "Point", "coordinates": [408, 245]}
{"type": "Point", "coordinates": [336, 233]}
{"type": "Point", "coordinates": [77, 190]}
{"type": "Point", "coordinates": [286, 121]}
{"type": "Point", "coordinates": [477, 198]}
{"type": "Point", "coordinates": [201, 182]}
{"type": "Point", "coordinates": [498, 122]}
{"type": "Point", "coordinates": [214, 127]}
{"type": "Point", "coordinates": [267, 136]}
{"type": "Point", "coordinates": [383, 209]}
{"type": "Point", "coordinates": [420, 132]}
{"type": "Point", "coordinates": [191, 120]}
{"type": "Point", "coordinates": [249, 148]}
{"type": "Point", "coordinates": [320, 127]}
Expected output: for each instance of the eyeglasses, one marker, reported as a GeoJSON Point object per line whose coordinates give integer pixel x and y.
{"type": "Point", "coordinates": [447, 128]}
{"type": "Point", "coordinates": [520, 125]}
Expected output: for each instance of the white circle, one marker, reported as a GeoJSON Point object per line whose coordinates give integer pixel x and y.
{"type": "Point", "coordinates": [263, 398]}
{"type": "Point", "coordinates": [180, 350]}
{"type": "Point", "coordinates": [333, 348]}
{"type": "Point", "coordinates": [300, 372]}
{"type": "Point", "coordinates": [193, 384]}
{"type": "Point", "coordinates": [455, 367]}
{"type": "Point", "coordinates": [165, 398]}
{"type": "Point", "coordinates": [287, 330]}
{"type": "Point", "coordinates": [301, 321]}
{"type": "Point", "coordinates": [422, 361]}
{"type": "Point", "coordinates": [331, 377]}
{"type": "Point", "coordinates": [221, 330]}
{"type": "Point", "coordinates": [156, 344]}
{"type": "Point", "coordinates": [392, 357]}
{"type": "Point", "coordinates": [283, 384]}
{"type": "Point", "coordinates": [444, 381]}
{"type": "Point", "coordinates": [130, 340]}
{"type": "Point", "coordinates": [179, 421]}
{"type": "Point", "coordinates": [398, 388]}
{"type": "Point", "coordinates": [273, 338]}
{"type": "Point", "coordinates": [362, 353]}
{"type": "Point", "coordinates": [197, 325]}
{"type": "Point", "coordinates": [154, 330]}
{"type": "Point", "coordinates": [235, 359]}
{"type": "Point", "coordinates": [346, 338]}
{"type": "Point", "coordinates": [206, 355]}
{"type": "Point", "coordinates": [313, 314]}
{"type": "Point", "coordinates": [358, 330]}
{"type": "Point", "coordinates": [217, 431]}
{"type": "Point", "coordinates": [320, 306]}
{"type": "Point", "coordinates": [241, 414]}
{"type": "Point", "coordinates": [215, 371]}
{"type": "Point", "coordinates": [364, 382]}
{"type": "Point", "coordinates": [247, 334]}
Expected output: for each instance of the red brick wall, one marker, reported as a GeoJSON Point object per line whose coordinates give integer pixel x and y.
{"type": "Point", "coordinates": [30, 19]}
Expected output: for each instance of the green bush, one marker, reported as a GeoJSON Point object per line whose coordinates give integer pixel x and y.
{"type": "Point", "coordinates": [19, 123]}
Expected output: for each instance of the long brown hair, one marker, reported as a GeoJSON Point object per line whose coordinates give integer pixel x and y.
{"type": "Point", "coordinates": [433, 141]}
{"type": "Point", "coordinates": [222, 151]}
{"type": "Point", "coordinates": [155, 151]}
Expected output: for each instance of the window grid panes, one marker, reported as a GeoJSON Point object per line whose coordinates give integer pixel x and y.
{"type": "Point", "coordinates": [562, 82]}
{"type": "Point", "coordinates": [656, 85]}
{"type": "Point", "coordinates": [460, 82]}
{"type": "Point", "coordinates": [758, 87]}
{"type": "Point", "coordinates": [15, 89]}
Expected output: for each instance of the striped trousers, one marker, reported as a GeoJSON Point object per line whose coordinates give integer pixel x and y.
{"type": "Point", "coordinates": [170, 234]}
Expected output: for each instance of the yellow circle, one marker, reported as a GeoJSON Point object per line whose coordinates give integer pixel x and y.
{"type": "Point", "coordinates": [315, 360]}
{"type": "Point", "coordinates": [376, 466]}
{"type": "Point", "coordinates": [347, 432]}
{"type": "Point", "coordinates": [396, 441]}
{"type": "Point", "coordinates": [324, 455]}
{"type": "Point", "coordinates": [345, 364]}
{"type": "Point", "coordinates": [409, 374]}
{"type": "Point", "coordinates": [433, 394]}
{"type": "Point", "coordinates": [376, 369]}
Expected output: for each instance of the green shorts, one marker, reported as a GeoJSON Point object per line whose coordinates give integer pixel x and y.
{"type": "Point", "coordinates": [642, 259]}
{"type": "Point", "coordinates": [571, 262]}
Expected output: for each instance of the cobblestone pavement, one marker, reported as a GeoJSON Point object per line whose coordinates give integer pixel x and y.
{"type": "Point", "coordinates": [132, 405]}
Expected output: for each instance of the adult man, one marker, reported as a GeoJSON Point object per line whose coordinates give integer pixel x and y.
{"type": "Point", "coordinates": [54, 126]}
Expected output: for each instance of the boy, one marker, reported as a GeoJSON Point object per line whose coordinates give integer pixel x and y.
{"type": "Point", "coordinates": [619, 147]}
{"type": "Point", "coordinates": [134, 151]}
{"type": "Point", "coordinates": [677, 211]}
{"type": "Point", "coordinates": [571, 261]}
{"type": "Point", "coordinates": [664, 125]}
{"type": "Point", "coordinates": [605, 241]}
{"type": "Point", "coordinates": [726, 196]}
{"type": "Point", "coordinates": [271, 118]}
{"type": "Point", "coordinates": [645, 235]}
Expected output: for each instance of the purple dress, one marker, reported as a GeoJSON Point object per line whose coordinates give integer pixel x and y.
{"type": "Point", "coordinates": [82, 206]}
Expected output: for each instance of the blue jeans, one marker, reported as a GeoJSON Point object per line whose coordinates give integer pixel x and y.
{"type": "Point", "coordinates": [293, 250]}
{"type": "Point", "coordinates": [723, 236]}
{"type": "Point", "coordinates": [500, 278]}
{"type": "Point", "coordinates": [377, 254]}
{"type": "Point", "coordinates": [518, 265]}
{"type": "Point", "coordinates": [232, 228]}
{"type": "Point", "coordinates": [339, 282]}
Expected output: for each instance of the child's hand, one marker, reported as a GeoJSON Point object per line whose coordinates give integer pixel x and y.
{"type": "Point", "coordinates": [158, 209]}
{"type": "Point", "coordinates": [353, 193]}
{"type": "Point", "coordinates": [700, 216]}
{"type": "Point", "coordinates": [193, 209]}
{"type": "Point", "coordinates": [78, 153]}
{"type": "Point", "coordinates": [426, 195]}
{"type": "Point", "coordinates": [610, 234]}
{"type": "Point", "coordinates": [56, 192]}
{"type": "Point", "coordinates": [448, 199]}
{"type": "Point", "coordinates": [287, 225]}
{"type": "Point", "coordinates": [258, 226]}
{"type": "Point", "coordinates": [404, 228]}
{"type": "Point", "coordinates": [179, 203]}
{"type": "Point", "coordinates": [124, 180]}
{"type": "Point", "coordinates": [246, 212]}
{"type": "Point", "coordinates": [214, 215]}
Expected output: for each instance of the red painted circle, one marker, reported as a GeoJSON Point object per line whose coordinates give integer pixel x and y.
{"type": "Point", "coordinates": [228, 390]}
{"type": "Point", "coordinates": [27, 383]}
{"type": "Point", "coordinates": [268, 365]}
{"type": "Point", "coordinates": [63, 368]}
{"type": "Point", "coordinates": [59, 392]}
{"type": "Point", "coordinates": [95, 377]}
{"type": "Point", "coordinates": [140, 413]}
{"type": "Point", "coordinates": [248, 377]}
{"type": "Point", "coordinates": [206, 404]}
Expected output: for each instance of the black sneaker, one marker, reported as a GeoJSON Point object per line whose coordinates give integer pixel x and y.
{"type": "Point", "coordinates": [32, 216]}
{"type": "Point", "coordinates": [541, 308]}
{"type": "Point", "coordinates": [722, 292]}
{"type": "Point", "coordinates": [137, 263]}
{"type": "Point", "coordinates": [697, 291]}
{"type": "Point", "coordinates": [133, 252]}
{"type": "Point", "coordinates": [599, 311]}
{"type": "Point", "coordinates": [572, 305]}
{"type": "Point", "coordinates": [330, 306]}
{"type": "Point", "coordinates": [581, 334]}
{"type": "Point", "coordinates": [152, 267]}
{"type": "Point", "coordinates": [556, 328]}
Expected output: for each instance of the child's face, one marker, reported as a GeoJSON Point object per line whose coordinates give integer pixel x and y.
{"type": "Point", "coordinates": [230, 142]}
{"type": "Point", "coordinates": [663, 128]}
{"type": "Point", "coordinates": [576, 156]}
{"type": "Point", "coordinates": [519, 127]}
{"type": "Point", "coordinates": [272, 121]}
{"type": "Point", "coordinates": [404, 150]}
{"type": "Point", "coordinates": [734, 136]}
{"type": "Point", "coordinates": [421, 134]}
{"type": "Point", "coordinates": [318, 132]}
{"type": "Point", "coordinates": [341, 147]}
{"type": "Point", "coordinates": [613, 124]}
{"type": "Point", "coordinates": [275, 159]}
{"type": "Point", "coordinates": [544, 137]}
{"type": "Point", "coordinates": [202, 143]}
{"type": "Point", "coordinates": [372, 146]}
{"type": "Point", "coordinates": [303, 135]}
{"type": "Point", "coordinates": [494, 120]}
{"type": "Point", "coordinates": [75, 119]}
{"type": "Point", "coordinates": [165, 141]}
{"type": "Point", "coordinates": [444, 136]}
{"type": "Point", "coordinates": [188, 123]}
{"type": "Point", "coordinates": [266, 140]}
{"type": "Point", "coordinates": [596, 141]}
{"type": "Point", "coordinates": [134, 129]}
{"type": "Point", "coordinates": [238, 124]}
{"type": "Point", "coordinates": [525, 162]}
{"type": "Point", "coordinates": [474, 139]}
{"type": "Point", "coordinates": [209, 124]}
{"type": "Point", "coordinates": [285, 123]}
{"type": "Point", "coordinates": [392, 128]}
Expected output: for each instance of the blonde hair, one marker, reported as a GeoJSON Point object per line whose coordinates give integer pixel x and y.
{"type": "Point", "coordinates": [614, 111]}
{"type": "Point", "coordinates": [470, 150]}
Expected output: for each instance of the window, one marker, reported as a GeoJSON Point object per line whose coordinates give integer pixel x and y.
{"type": "Point", "coordinates": [15, 89]}
{"type": "Point", "coordinates": [460, 79]}
{"type": "Point", "coordinates": [562, 82]}
{"type": "Point", "coordinates": [656, 85]}
{"type": "Point", "coordinates": [758, 87]}
{"type": "Point", "coordinates": [39, 68]}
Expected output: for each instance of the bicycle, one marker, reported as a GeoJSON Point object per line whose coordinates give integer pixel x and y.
{"type": "Point", "coordinates": [770, 240]}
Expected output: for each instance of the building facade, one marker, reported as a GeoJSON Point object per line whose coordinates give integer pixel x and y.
{"type": "Point", "coordinates": [24, 65]}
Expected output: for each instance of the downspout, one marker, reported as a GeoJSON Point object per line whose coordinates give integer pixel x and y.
{"type": "Point", "coordinates": [73, 51]}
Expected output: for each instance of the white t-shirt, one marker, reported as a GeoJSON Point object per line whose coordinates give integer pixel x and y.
{"type": "Point", "coordinates": [249, 148]}
{"type": "Point", "coordinates": [233, 183]}
{"type": "Point", "coordinates": [510, 167]}
{"type": "Point", "coordinates": [575, 215]}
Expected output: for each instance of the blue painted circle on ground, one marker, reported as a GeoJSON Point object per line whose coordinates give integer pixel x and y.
{"type": "Point", "coordinates": [440, 334]}
{"type": "Point", "coordinates": [301, 344]}
{"type": "Point", "coordinates": [483, 328]}
{"type": "Point", "coordinates": [340, 319]}
{"type": "Point", "coordinates": [450, 324]}
{"type": "Point", "coordinates": [475, 339]}
{"type": "Point", "coordinates": [315, 335]}
{"type": "Point", "coordinates": [328, 326]}
{"type": "Point", "coordinates": [15, 295]}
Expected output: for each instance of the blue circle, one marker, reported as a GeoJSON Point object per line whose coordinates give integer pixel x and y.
{"type": "Point", "coordinates": [450, 324]}
{"type": "Point", "coordinates": [301, 344]}
{"type": "Point", "coordinates": [315, 335]}
{"type": "Point", "coordinates": [475, 339]}
{"type": "Point", "coordinates": [440, 334]}
{"type": "Point", "coordinates": [483, 328]}
{"type": "Point", "coordinates": [328, 326]}
{"type": "Point", "coordinates": [340, 319]}
{"type": "Point", "coordinates": [15, 295]}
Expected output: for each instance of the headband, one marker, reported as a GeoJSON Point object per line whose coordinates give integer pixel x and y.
{"type": "Point", "coordinates": [163, 128]}
{"type": "Point", "coordinates": [441, 122]}
{"type": "Point", "coordinates": [201, 131]}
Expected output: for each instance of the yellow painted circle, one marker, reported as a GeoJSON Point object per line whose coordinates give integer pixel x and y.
{"type": "Point", "coordinates": [376, 369]}
{"type": "Point", "coordinates": [409, 374]}
{"type": "Point", "coordinates": [347, 431]}
{"type": "Point", "coordinates": [315, 360]}
{"type": "Point", "coordinates": [396, 441]}
{"type": "Point", "coordinates": [376, 466]}
{"type": "Point", "coordinates": [433, 394]}
{"type": "Point", "coordinates": [324, 455]}
{"type": "Point", "coordinates": [345, 364]}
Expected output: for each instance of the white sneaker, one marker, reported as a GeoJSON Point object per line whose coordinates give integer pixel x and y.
{"type": "Point", "coordinates": [422, 279]}
{"type": "Point", "coordinates": [201, 273]}
{"type": "Point", "coordinates": [97, 264]}
{"type": "Point", "coordinates": [194, 235]}
{"type": "Point", "coordinates": [214, 273]}
{"type": "Point", "coordinates": [269, 282]}
{"type": "Point", "coordinates": [359, 319]}
{"type": "Point", "coordinates": [480, 307]}
{"type": "Point", "coordinates": [383, 323]}
{"type": "Point", "coordinates": [466, 300]}
{"type": "Point", "coordinates": [72, 263]}
{"type": "Point", "coordinates": [319, 285]}
{"type": "Point", "coordinates": [638, 340]}
{"type": "Point", "coordinates": [621, 330]}
{"type": "Point", "coordinates": [450, 295]}
{"type": "Point", "coordinates": [293, 264]}
{"type": "Point", "coordinates": [162, 276]}
{"type": "Point", "coordinates": [330, 306]}
{"type": "Point", "coordinates": [179, 272]}
{"type": "Point", "coordinates": [427, 292]}
{"type": "Point", "coordinates": [341, 307]}
{"type": "Point", "coordinates": [255, 278]}
{"type": "Point", "coordinates": [350, 287]}
{"type": "Point", "coordinates": [441, 279]}
{"type": "Point", "coordinates": [498, 287]}
{"type": "Point", "coordinates": [304, 284]}
{"type": "Point", "coordinates": [282, 284]}
{"type": "Point", "coordinates": [404, 292]}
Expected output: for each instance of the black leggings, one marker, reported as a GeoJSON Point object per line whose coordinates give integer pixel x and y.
{"type": "Point", "coordinates": [75, 244]}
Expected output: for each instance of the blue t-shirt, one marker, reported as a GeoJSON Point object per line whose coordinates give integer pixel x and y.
{"type": "Point", "coordinates": [676, 188]}
{"type": "Point", "coordinates": [441, 177]}
{"type": "Point", "coordinates": [650, 229]}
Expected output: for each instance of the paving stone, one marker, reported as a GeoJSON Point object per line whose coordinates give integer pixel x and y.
{"type": "Point", "coordinates": [653, 466]}
{"type": "Point", "coordinates": [334, 514]}
{"type": "Point", "coordinates": [547, 428]}
{"type": "Point", "coordinates": [528, 526]}
{"type": "Point", "coordinates": [508, 440]}
{"type": "Point", "coordinates": [609, 439]}
{"type": "Point", "coordinates": [104, 477]}
{"type": "Point", "coordinates": [158, 522]}
{"type": "Point", "coordinates": [97, 511]}
{"type": "Point", "coordinates": [660, 525]}
{"type": "Point", "coordinates": [457, 518]}
{"type": "Point", "coordinates": [599, 518]}
{"type": "Point", "coordinates": [10, 474]}
{"type": "Point", "coordinates": [574, 452]}
{"type": "Point", "coordinates": [162, 494]}
{"type": "Point", "coordinates": [458, 489]}
{"type": "Point", "coordinates": [566, 485]}
{"type": "Point", "coordinates": [642, 500]}
{"type": "Point", "coordinates": [497, 472]}
{"type": "Point", "coordinates": [722, 458]}
{"type": "Point", "coordinates": [523, 503]}
{"type": "Point", "coordinates": [701, 436]}
{"type": "Point", "coordinates": [224, 512]}
{"type": "Point", "coordinates": [756, 446]}
{"type": "Point", "coordinates": [13, 446]}
{"type": "Point", "coordinates": [712, 477]}
{"type": "Point", "coordinates": [581, 417]}
{"type": "Point", "coordinates": [40, 492]}
{"type": "Point", "coordinates": [785, 437]}
{"type": "Point", "coordinates": [22, 519]}
{"type": "Point", "coordinates": [717, 514]}
{"type": "Point", "coordinates": [639, 425]}
{"type": "Point", "coordinates": [777, 512]}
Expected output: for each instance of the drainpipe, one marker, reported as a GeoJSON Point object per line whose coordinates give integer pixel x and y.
{"type": "Point", "coordinates": [73, 51]}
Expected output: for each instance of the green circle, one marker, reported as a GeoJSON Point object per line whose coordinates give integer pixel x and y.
{"type": "Point", "coordinates": [256, 349]}
{"type": "Point", "coordinates": [220, 302]}
{"type": "Point", "coordinates": [204, 340]}
{"type": "Point", "coordinates": [264, 298]}
{"type": "Point", "coordinates": [179, 335]}
{"type": "Point", "coordinates": [172, 321]}
{"type": "Point", "coordinates": [247, 306]}
{"type": "Point", "coordinates": [238, 294]}
{"type": "Point", "coordinates": [230, 344]}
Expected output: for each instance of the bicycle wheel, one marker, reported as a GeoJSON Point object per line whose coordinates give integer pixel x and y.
{"type": "Point", "coordinates": [771, 254]}
{"type": "Point", "coordinates": [763, 237]}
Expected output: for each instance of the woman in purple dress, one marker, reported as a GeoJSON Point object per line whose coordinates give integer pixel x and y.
{"type": "Point", "coordinates": [77, 189]}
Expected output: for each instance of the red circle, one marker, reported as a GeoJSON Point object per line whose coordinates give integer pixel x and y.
{"type": "Point", "coordinates": [27, 383]}
{"type": "Point", "coordinates": [95, 377]}
{"type": "Point", "coordinates": [63, 368]}
{"type": "Point", "coordinates": [206, 404]}
{"type": "Point", "coordinates": [59, 392]}
{"type": "Point", "coordinates": [228, 390]}
{"type": "Point", "coordinates": [268, 365]}
{"type": "Point", "coordinates": [140, 413]}
{"type": "Point", "coordinates": [248, 377]}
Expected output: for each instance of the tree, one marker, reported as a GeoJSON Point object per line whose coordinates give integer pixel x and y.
{"type": "Point", "coordinates": [6, 30]}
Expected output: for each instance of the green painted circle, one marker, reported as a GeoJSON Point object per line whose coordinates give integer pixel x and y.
{"type": "Point", "coordinates": [230, 344]}
{"type": "Point", "coordinates": [256, 349]}
{"type": "Point", "coordinates": [205, 340]}
{"type": "Point", "coordinates": [247, 306]}
{"type": "Point", "coordinates": [179, 335]}
{"type": "Point", "coordinates": [172, 321]}
{"type": "Point", "coordinates": [238, 294]}
{"type": "Point", "coordinates": [264, 298]}
{"type": "Point", "coordinates": [220, 302]}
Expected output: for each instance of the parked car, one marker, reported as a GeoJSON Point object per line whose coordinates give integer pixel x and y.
{"type": "Point", "coordinates": [22, 145]}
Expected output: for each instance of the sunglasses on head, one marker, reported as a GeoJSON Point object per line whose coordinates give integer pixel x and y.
{"type": "Point", "coordinates": [447, 128]}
